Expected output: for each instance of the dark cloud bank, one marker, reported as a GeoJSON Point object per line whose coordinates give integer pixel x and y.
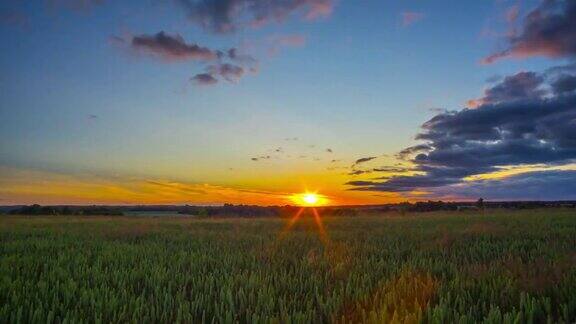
{"type": "Point", "coordinates": [526, 118]}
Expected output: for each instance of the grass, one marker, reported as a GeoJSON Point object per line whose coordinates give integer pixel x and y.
{"type": "Point", "coordinates": [500, 266]}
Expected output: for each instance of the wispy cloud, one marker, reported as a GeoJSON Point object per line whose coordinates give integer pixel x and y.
{"type": "Point", "coordinates": [25, 186]}
{"type": "Point", "coordinates": [363, 160]}
{"type": "Point", "coordinates": [225, 16]}
{"type": "Point", "coordinates": [204, 79]}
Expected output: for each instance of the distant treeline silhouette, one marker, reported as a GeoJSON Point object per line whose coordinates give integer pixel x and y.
{"type": "Point", "coordinates": [230, 210]}
{"type": "Point", "coordinates": [66, 210]}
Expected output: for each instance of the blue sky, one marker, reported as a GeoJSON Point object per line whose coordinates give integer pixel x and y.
{"type": "Point", "coordinates": [74, 102]}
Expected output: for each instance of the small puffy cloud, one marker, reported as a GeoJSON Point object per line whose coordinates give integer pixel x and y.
{"type": "Point", "coordinates": [171, 47]}
{"type": "Point", "coordinates": [230, 65]}
{"type": "Point", "coordinates": [204, 79]}
{"type": "Point", "coordinates": [230, 72]}
{"type": "Point", "coordinates": [235, 55]}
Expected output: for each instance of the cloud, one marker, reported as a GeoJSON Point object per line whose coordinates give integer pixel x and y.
{"type": "Point", "coordinates": [26, 186]}
{"type": "Point", "coordinates": [171, 47]}
{"type": "Point", "coordinates": [225, 16]}
{"type": "Point", "coordinates": [260, 158]}
{"type": "Point", "coordinates": [564, 84]}
{"type": "Point", "coordinates": [241, 58]}
{"type": "Point", "coordinates": [204, 79]}
{"type": "Point", "coordinates": [275, 43]}
{"type": "Point", "coordinates": [358, 172]}
{"type": "Point", "coordinates": [538, 185]}
{"type": "Point", "coordinates": [411, 17]}
{"type": "Point", "coordinates": [412, 150]}
{"type": "Point", "coordinates": [363, 160]}
{"type": "Point", "coordinates": [289, 40]}
{"type": "Point", "coordinates": [549, 31]}
{"type": "Point", "coordinates": [523, 85]}
{"type": "Point", "coordinates": [391, 169]}
{"type": "Point", "coordinates": [230, 72]}
{"type": "Point", "coordinates": [515, 124]}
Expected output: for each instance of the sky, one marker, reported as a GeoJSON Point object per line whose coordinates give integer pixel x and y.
{"type": "Point", "coordinates": [246, 101]}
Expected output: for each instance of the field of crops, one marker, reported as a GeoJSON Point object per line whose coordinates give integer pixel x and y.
{"type": "Point", "coordinates": [497, 267]}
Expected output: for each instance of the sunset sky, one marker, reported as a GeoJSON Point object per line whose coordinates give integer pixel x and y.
{"type": "Point", "coordinates": [247, 101]}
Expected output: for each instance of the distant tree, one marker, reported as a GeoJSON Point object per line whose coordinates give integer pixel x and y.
{"type": "Point", "coordinates": [480, 203]}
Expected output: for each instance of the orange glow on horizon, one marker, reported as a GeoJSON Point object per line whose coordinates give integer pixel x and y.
{"type": "Point", "coordinates": [27, 186]}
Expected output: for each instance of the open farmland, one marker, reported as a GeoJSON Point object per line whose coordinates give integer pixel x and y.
{"type": "Point", "coordinates": [497, 266]}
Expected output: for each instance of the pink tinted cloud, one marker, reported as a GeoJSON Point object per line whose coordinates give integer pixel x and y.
{"type": "Point", "coordinates": [318, 9]}
{"type": "Point", "coordinates": [171, 47]}
{"type": "Point", "coordinates": [290, 40]}
{"type": "Point", "coordinates": [226, 16]}
{"type": "Point", "coordinates": [276, 43]}
{"type": "Point", "coordinates": [547, 31]}
{"type": "Point", "coordinates": [411, 17]}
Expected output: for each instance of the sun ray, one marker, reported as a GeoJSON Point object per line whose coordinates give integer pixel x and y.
{"type": "Point", "coordinates": [321, 231]}
{"type": "Point", "coordinates": [291, 222]}
{"type": "Point", "coordinates": [308, 201]}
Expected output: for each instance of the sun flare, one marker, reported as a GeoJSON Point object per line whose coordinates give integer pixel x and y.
{"type": "Point", "coordinates": [309, 199]}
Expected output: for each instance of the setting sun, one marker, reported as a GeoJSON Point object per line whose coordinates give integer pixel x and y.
{"type": "Point", "coordinates": [309, 199]}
